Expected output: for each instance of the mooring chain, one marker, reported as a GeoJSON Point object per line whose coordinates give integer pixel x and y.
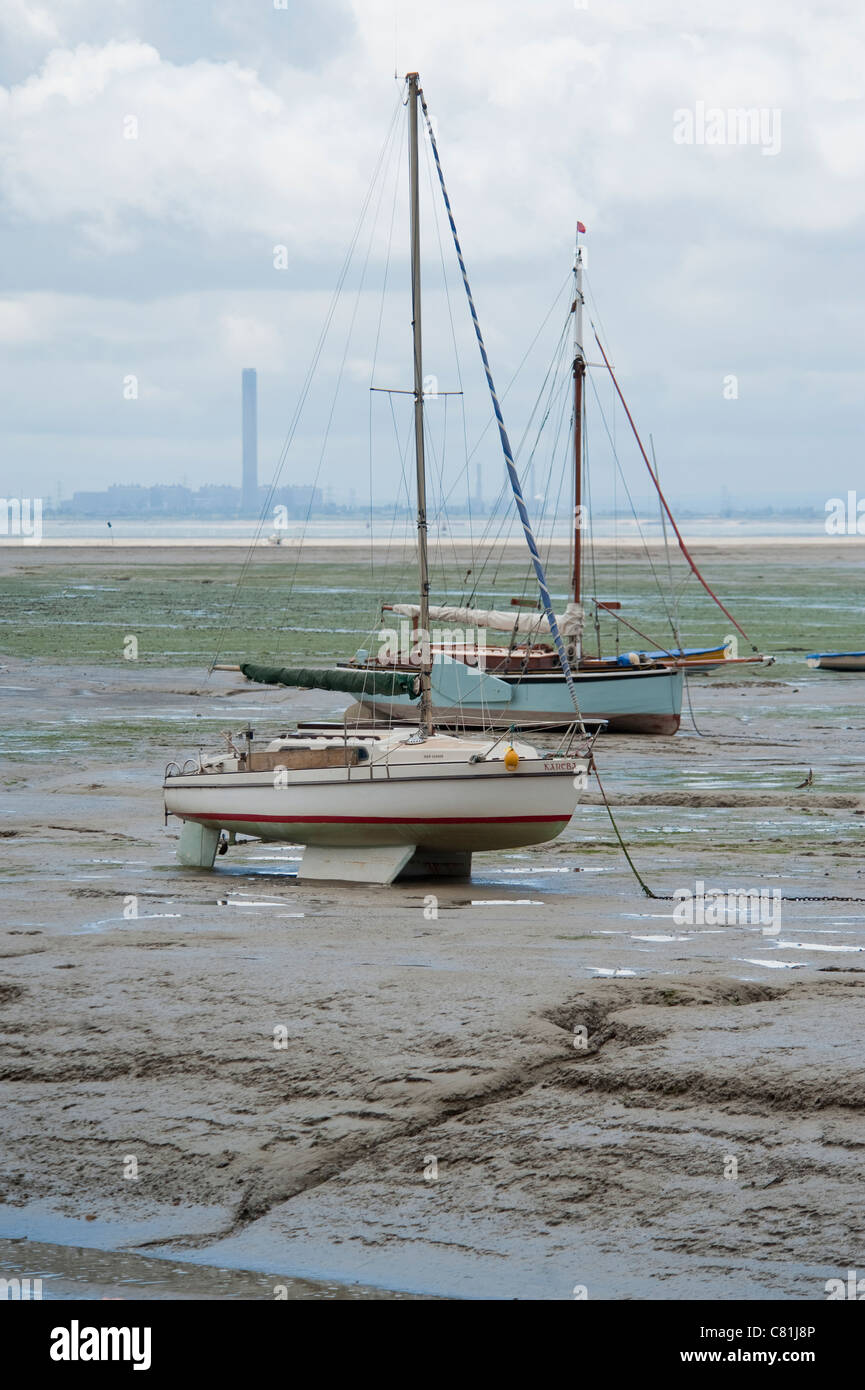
{"type": "Point", "coordinates": [725, 892]}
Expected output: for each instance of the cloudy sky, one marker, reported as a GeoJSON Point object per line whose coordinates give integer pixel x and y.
{"type": "Point", "coordinates": [153, 154]}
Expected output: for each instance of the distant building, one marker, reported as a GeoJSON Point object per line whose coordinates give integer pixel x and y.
{"type": "Point", "coordinates": [171, 500]}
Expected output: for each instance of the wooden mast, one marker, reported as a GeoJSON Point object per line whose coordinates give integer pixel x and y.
{"type": "Point", "coordinates": [425, 712]}
{"type": "Point", "coordinates": [579, 376]}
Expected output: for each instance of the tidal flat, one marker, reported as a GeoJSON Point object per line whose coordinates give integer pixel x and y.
{"type": "Point", "coordinates": [551, 1085]}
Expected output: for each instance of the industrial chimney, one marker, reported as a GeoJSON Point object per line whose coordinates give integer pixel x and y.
{"type": "Point", "coordinates": [249, 395]}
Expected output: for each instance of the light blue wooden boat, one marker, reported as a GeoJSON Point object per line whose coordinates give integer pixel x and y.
{"type": "Point", "coordinates": [629, 701]}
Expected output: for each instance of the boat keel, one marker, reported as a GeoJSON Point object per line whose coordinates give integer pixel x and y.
{"type": "Point", "coordinates": [438, 863]}
{"type": "Point", "coordinates": [197, 848]}
{"type": "Point", "coordinates": [381, 864]}
{"type": "Point", "coordinates": [354, 863]}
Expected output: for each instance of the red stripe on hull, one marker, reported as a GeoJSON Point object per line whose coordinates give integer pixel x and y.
{"type": "Point", "coordinates": [382, 820]}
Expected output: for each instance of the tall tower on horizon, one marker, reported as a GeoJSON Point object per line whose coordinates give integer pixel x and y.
{"type": "Point", "coordinates": [249, 399]}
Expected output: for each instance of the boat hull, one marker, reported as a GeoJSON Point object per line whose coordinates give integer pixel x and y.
{"type": "Point", "coordinates": [686, 655]}
{"type": "Point", "coordinates": [447, 809]}
{"type": "Point", "coordinates": [631, 702]}
{"type": "Point", "coordinates": [837, 661]}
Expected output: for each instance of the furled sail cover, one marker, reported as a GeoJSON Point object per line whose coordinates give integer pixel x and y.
{"type": "Point", "coordinates": [351, 682]}
{"type": "Point", "coordinates": [570, 622]}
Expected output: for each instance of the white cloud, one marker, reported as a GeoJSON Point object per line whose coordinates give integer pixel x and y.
{"type": "Point", "coordinates": [701, 255]}
{"type": "Point", "coordinates": [245, 339]}
{"type": "Point", "coordinates": [568, 107]}
{"type": "Point", "coordinates": [26, 22]}
{"type": "Point", "coordinates": [20, 322]}
{"type": "Point", "coordinates": [213, 151]}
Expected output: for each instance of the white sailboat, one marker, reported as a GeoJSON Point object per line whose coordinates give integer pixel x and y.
{"type": "Point", "coordinates": [370, 805]}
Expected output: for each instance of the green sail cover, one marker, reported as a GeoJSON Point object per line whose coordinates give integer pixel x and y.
{"type": "Point", "coordinates": [351, 682]}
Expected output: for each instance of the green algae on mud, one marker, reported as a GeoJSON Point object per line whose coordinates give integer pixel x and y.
{"type": "Point", "coordinates": [183, 613]}
{"type": "Point", "coordinates": [105, 738]}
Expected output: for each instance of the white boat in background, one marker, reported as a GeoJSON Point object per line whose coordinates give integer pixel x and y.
{"type": "Point", "coordinates": [370, 805]}
{"type": "Point", "coordinates": [836, 661]}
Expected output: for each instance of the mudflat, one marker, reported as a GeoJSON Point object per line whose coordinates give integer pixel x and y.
{"type": "Point", "coordinates": [538, 1082]}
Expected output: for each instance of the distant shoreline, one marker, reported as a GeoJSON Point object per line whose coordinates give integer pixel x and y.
{"type": "Point", "coordinates": [138, 552]}
{"type": "Point", "coordinates": [361, 543]}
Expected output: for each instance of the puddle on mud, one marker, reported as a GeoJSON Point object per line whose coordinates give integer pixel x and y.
{"type": "Point", "coordinates": [244, 871]}
{"type": "Point", "coordinates": [528, 870]}
{"type": "Point", "coordinates": [641, 915]}
{"type": "Point", "coordinates": [92, 928]}
{"type": "Point", "coordinates": [661, 937]}
{"type": "Point", "coordinates": [775, 964]}
{"type": "Point", "coordinates": [73, 1272]}
{"type": "Point", "coordinates": [500, 902]}
{"type": "Point", "coordinates": [813, 946]}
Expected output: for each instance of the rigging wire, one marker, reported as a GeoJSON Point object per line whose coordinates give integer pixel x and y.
{"type": "Point", "coordinates": [518, 497]}
{"type": "Point", "coordinates": [465, 470]}
{"type": "Point", "coordinates": [522, 363]}
{"type": "Point", "coordinates": [565, 471]}
{"type": "Point", "coordinates": [494, 553]}
{"type": "Point", "coordinates": [308, 379]}
{"type": "Point", "coordinates": [624, 481]}
{"type": "Point", "coordinates": [381, 305]}
{"type": "Point", "coordinates": [507, 519]}
{"type": "Point", "coordinates": [503, 435]}
{"type": "Point", "coordinates": [619, 619]}
{"type": "Point", "coordinates": [679, 537]}
{"type": "Point", "coordinates": [336, 389]}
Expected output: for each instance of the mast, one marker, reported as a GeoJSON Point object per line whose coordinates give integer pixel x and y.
{"type": "Point", "coordinates": [579, 375]}
{"type": "Point", "coordinates": [425, 712]}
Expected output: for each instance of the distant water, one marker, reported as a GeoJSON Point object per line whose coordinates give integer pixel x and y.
{"type": "Point", "coordinates": [176, 532]}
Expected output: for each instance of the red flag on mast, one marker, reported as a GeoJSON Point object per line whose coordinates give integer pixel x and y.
{"type": "Point", "coordinates": [580, 227]}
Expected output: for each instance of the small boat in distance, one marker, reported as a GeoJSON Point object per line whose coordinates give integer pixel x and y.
{"type": "Point", "coordinates": [836, 661]}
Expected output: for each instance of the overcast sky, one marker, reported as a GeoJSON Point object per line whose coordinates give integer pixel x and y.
{"type": "Point", "coordinates": [259, 126]}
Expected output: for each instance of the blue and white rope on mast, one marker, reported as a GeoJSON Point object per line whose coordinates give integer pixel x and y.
{"type": "Point", "coordinates": [546, 601]}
